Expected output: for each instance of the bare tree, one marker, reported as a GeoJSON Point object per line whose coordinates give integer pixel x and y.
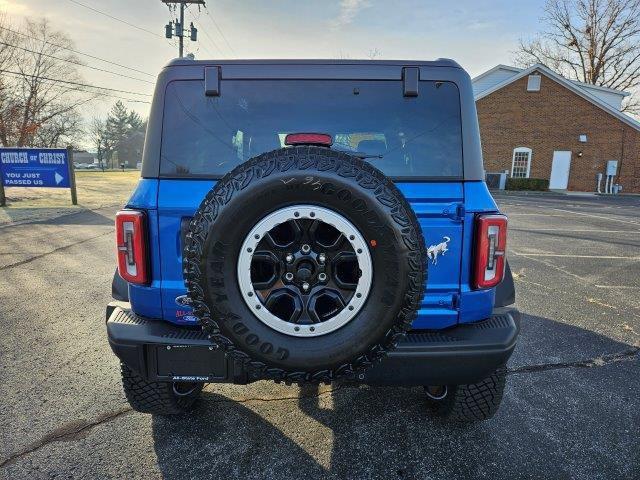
{"type": "Point", "coordinates": [100, 139]}
{"type": "Point", "coordinates": [34, 108]}
{"type": "Point", "coordinates": [374, 53]}
{"type": "Point", "coordinates": [593, 41]}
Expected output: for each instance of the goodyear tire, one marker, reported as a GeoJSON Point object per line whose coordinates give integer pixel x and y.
{"type": "Point", "coordinates": [468, 403]}
{"type": "Point", "coordinates": [158, 398]}
{"type": "Point", "coordinates": [305, 264]}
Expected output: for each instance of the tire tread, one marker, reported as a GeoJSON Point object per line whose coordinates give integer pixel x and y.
{"type": "Point", "coordinates": [321, 160]}
{"type": "Point", "coordinates": [154, 397]}
{"type": "Point", "coordinates": [474, 402]}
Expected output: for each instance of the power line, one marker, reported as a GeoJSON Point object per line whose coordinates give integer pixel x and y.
{"type": "Point", "coordinates": [100, 94]}
{"type": "Point", "coordinates": [77, 51]}
{"type": "Point", "coordinates": [219, 30]}
{"type": "Point", "coordinates": [68, 82]}
{"type": "Point", "coordinates": [75, 63]}
{"type": "Point", "coordinates": [202, 29]}
{"type": "Point", "coordinates": [212, 42]}
{"type": "Point", "coordinates": [115, 18]}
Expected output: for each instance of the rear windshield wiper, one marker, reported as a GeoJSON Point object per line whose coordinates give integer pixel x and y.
{"type": "Point", "coordinates": [360, 154]}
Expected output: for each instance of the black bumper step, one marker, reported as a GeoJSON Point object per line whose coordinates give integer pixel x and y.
{"type": "Point", "coordinates": [467, 353]}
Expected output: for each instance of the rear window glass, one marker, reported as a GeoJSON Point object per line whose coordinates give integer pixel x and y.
{"type": "Point", "coordinates": [414, 136]}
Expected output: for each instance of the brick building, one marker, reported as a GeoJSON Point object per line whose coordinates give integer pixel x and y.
{"type": "Point", "coordinates": [535, 123]}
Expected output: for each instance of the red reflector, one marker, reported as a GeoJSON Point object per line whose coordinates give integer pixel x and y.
{"type": "Point", "coordinates": [131, 245]}
{"type": "Point", "coordinates": [491, 245]}
{"type": "Point", "coordinates": [308, 139]}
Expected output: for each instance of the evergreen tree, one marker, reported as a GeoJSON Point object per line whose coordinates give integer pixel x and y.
{"type": "Point", "coordinates": [124, 133]}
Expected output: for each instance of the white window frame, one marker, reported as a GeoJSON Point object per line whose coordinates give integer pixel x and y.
{"type": "Point", "coordinates": [517, 150]}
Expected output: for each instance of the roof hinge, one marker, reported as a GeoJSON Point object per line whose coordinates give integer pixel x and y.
{"type": "Point", "coordinates": [410, 80]}
{"type": "Point", "coordinates": [212, 81]}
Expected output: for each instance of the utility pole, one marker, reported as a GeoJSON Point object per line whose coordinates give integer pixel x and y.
{"type": "Point", "coordinates": [177, 28]}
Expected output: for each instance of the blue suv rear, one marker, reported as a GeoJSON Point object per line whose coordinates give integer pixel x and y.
{"type": "Point", "coordinates": [379, 253]}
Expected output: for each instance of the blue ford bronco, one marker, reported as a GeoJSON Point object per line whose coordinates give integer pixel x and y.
{"type": "Point", "coordinates": [313, 221]}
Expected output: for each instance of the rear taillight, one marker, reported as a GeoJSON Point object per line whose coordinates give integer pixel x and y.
{"type": "Point", "coordinates": [131, 244]}
{"type": "Point", "coordinates": [491, 244]}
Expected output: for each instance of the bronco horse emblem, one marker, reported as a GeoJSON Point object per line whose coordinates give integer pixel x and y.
{"type": "Point", "coordinates": [434, 250]}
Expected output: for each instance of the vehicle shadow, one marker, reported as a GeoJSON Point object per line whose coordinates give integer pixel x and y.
{"type": "Point", "coordinates": [84, 217]}
{"type": "Point", "coordinates": [554, 423]}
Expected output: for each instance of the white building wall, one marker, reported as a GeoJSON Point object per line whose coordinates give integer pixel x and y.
{"type": "Point", "coordinates": [492, 77]}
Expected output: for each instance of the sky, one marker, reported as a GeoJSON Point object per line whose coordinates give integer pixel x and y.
{"type": "Point", "coordinates": [478, 34]}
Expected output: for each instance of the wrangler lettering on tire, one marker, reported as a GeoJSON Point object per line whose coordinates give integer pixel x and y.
{"type": "Point", "coordinates": [305, 264]}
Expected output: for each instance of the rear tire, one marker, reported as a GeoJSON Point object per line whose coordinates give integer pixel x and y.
{"type": "Point", "coordinates": [158, 398]}
{"type": "Point", "coordinates": [468, 403]}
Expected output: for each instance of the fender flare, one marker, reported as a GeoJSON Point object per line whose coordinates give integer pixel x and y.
{"type": "Point", "coordinates": [119, 288]}
{"type": "Point", "coordinates": [505, 291]}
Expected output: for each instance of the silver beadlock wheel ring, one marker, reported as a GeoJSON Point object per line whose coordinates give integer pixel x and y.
{"type": "Point", "coordinates": [254, 298]}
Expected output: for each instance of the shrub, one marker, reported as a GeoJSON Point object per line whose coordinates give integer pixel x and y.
{"type": "Point", "coordinates": [534, 184]}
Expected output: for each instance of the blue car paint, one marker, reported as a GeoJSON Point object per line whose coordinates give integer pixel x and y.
{"type": "Point", "coordinates": [444, 209]}
{"type": "Point", "coordinates": [474, 304]}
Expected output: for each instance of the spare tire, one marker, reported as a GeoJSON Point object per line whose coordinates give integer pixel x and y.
{"type": "Point", "coordinates": [305, 264]}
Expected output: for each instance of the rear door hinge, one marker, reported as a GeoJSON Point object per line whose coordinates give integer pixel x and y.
{"type": "Point", "coordinates": [455, 212]}
{"type": "Point", "coordinates": [455, 301]}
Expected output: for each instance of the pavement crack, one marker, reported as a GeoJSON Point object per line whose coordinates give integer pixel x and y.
{"type": "Point", "coordinates": [55, 250]}
{"type": "Point", "coordinates": [600, 361]}
{"type": "Point", "coordinates": [66, 433]}
{"type": "Point", "coordinates": [78, 429]}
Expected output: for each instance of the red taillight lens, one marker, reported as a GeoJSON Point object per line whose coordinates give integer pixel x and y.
{"type": "Point", "coordinates": [491, 245]}
{"type": "Point", "coordinates": [308, 139]}
{"type": "Point", "coordinates": [131, 244]}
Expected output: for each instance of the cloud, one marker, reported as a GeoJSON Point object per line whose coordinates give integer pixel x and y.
{"type": "Point", "coordinates": [348, 11]}
{"type": "Point", "coordinates": [12, 7]}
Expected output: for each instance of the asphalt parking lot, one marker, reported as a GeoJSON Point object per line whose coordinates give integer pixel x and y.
{"type": "Point", "coordinates": [571, 407]}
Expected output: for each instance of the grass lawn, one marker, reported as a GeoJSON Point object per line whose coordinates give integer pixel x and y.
{"type": "Point", "coordinates": [95, 189]}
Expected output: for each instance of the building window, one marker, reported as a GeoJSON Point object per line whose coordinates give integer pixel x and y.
{"type": "Point", "coordinates": [533, 83]}
{"type": "Point", "coordinates": [521, 163]}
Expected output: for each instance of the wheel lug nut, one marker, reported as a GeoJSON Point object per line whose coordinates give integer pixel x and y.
{"type": "Point", "coordinates": [306, 248]}
{"type": "Point", "coordinates": [322, 277]}
{"type": "Point", "coordinates": [289, 258]}
{"type": "Point", "coordinates": [322, 258]}
{"type": "Point", "coordinates": [288, 276]}
{"type": "Point", "coordinates": [305, 286]}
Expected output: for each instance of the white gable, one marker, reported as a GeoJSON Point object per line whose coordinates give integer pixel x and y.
{"type": "Point", "coordinates": [609, 96]}
{"type": "Point", "coordinates": [492, 78]}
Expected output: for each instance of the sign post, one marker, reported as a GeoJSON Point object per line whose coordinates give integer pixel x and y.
{"type": "Point", "coordinates": [72, 175]}
{"type": "Point", "coordinates": [37, 167]}
{"type": "Point", "coordinates": [3, 199]}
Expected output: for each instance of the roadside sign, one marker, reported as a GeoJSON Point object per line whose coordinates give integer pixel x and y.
{"type": "Point", "coordinates": [37, 167]}
{"type": "Point", "coordinates": [27, 167]}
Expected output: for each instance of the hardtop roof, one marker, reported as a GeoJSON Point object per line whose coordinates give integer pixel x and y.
{"type": "Point", "coordinates": [439, 62]}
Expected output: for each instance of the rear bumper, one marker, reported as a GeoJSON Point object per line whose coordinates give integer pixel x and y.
{"type": "Point", "coordinates": [464, 354]}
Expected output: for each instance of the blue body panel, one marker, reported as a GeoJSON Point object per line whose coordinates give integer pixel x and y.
{"type": "Point", "coordinates": [444, 209]}
{"type": "Point", "coordinates": [146, 300]}
{"type": "Point", "coordinates": [174, 205]}
{"type": "Point", "coordinates": [436, 205]}
{"type": "Point", "coordinates": [474, 304]}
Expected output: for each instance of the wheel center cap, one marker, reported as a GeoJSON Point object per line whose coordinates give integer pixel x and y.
{"type": "Point", "coordinates": [304, 273]}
